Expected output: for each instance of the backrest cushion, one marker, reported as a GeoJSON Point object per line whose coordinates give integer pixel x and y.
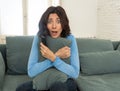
{"type": "Point", "coordinates": [3, 52]}
{"type": "Point", "coordinates": [118, 47]}
{"type": "Point", "coordinates": [86, 45]}
{"type": "Point", "coordinates": [115, 44]}
{"type": "Point", "coordinates": [100, 62]}
{"type": "Point", "coordinates": [18, 49]}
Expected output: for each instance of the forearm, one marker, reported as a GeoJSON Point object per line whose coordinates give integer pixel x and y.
{"type": "Point", "coordinates": [35, 65]}
{"type": "Point", "coordinates": [70, 70]}
{"type": "Point", "coordinates": [36, 68]}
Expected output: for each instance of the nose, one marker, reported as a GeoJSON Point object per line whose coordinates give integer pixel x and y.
{"type": "Point", "coordinates": [54, 25]}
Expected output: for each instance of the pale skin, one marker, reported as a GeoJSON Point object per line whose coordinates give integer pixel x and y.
{"type": "Point", "coordinates": [55, 29]}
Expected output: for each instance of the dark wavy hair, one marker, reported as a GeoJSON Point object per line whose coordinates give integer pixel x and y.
{"type": "Point", "coordinates": [43, 31]}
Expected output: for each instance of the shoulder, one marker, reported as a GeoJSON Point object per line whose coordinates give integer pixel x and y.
{"type": "Point", "coordinates": [36, 38]}
{"type": "Point", "coordinates": [70, 37]}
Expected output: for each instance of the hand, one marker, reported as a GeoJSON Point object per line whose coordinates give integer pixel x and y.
{"type": "Point", "coordinates": [46, 52]}
{"type": "Point", "coordinates": [63, 52]}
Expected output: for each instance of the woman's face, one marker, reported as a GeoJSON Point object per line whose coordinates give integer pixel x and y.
{"type": "Point", "coordinates": [54, 25]}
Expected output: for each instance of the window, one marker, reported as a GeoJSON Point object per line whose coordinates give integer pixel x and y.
{"type": "Point", "coordinates": [11, 17]}
{"type": "Point", "coordinates": [21, 17]}
{"type": "Point", "coordinates": [35, 10]}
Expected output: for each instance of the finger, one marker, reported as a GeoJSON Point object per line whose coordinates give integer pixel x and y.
{"type": "Point", "coordinates": [43, 47]}
{"type": "Point", "coordinates": [66, 48]}
{"type": "Point", "coordinates": [43, 50]}
{"type": "Point", "coordinates": [43, 53]}
{"type": "Point", "coordinates": [41, 44]}
{"type": "Point", "coordinates": [67, 54]}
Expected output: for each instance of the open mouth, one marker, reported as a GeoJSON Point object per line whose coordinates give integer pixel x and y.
{"type": "Point", "coordinates": [54, 32]}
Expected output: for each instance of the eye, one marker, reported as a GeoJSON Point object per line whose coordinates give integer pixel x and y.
{"type": "Point", "coordinates": [58, 21]}
{"type": "Point", "coordinates": [49, 21]}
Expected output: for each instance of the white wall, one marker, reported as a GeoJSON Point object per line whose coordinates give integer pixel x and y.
{"type": "Point", "coordinates": [108, 19]}
{"type": "Point", "coordinates": [82, 16]}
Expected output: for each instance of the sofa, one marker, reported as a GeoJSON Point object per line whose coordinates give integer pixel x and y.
{"type": "Point", "coordinates": [99, 63]}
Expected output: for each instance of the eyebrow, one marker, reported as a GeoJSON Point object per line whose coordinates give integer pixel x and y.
{"type": "Point", "coordinates": [58, 18]}
{"type": "Point", "coordinates": [51, 19]}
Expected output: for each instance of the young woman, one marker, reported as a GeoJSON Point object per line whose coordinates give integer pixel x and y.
{"type": "Point", "coordinates": [54, 22]}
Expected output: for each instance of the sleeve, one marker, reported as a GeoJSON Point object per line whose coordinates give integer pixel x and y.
{"type": "Point", "coordinates": [35, 67]}
{"type": "Point", "coordinates": [72, 69]}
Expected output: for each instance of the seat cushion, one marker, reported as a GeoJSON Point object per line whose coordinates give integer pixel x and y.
{"type": "Point", "coordinates": [107, 82]}
{"type": "Point", "coordinates": [100, 62]}
{"type": "Point", "coordinates": [11, 82]}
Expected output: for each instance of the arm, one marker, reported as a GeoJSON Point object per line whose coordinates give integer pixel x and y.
{"type": "Point", "coordinates": [72, 69]}
{"type": "Point", "coordinates": [35, 67]}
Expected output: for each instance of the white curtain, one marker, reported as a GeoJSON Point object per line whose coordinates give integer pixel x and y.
{"type": "Point", "coordinates": [35, 10]}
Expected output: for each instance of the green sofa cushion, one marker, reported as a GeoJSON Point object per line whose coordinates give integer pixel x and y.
{"type": "Point", "coordinates": [3, 51]}
{"type": "Point", "coordinates": [57, 43]}
{"type": "Point", "coordinates": [2, 70]}
{"type": "Point", "coordinates": [11, 82]}
{"type": "Point", "coordinates": [93, 45]}
{"type": "Point", "coordinates": [44, 80]}
{"type": "Point", "coordinates": [54, 44]}
{"type": "Point", "coordinates": [107, 82]}
{"type": "Point", "coordinates": [18, 49]}
{"type": "Point", "coordinates": [100, 62]}
{"type": "Point", "coordinates": [118, 47]}
{"type": "Point", "coordinates": [115, 44]}
{"type": "Point", "coordinates": [51, 75]}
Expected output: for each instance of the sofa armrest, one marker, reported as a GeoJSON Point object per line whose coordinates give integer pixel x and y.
{"type": "Point", "coordinates": [2, 70]}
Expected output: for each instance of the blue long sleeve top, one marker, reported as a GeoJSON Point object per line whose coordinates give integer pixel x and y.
{"type": "Point", "coordinates": [36, 67]}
